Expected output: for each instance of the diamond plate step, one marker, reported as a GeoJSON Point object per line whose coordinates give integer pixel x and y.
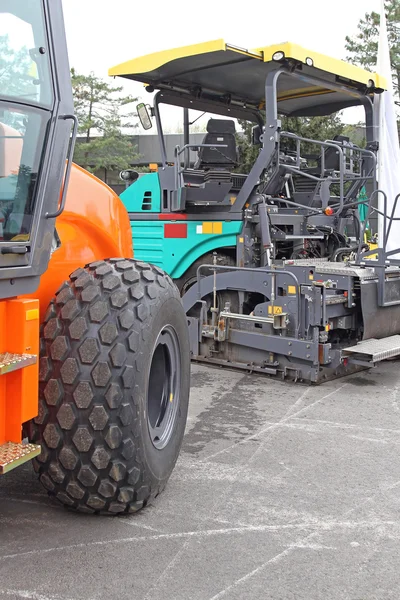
{"type": "Point", "coordinates": [11, 362]}
{"type": "Point", "coordinates": [373, 350]}
{"type": "Point", "coordinates": [13, 455]}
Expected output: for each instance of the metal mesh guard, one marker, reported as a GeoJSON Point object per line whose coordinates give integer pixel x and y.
{"type": "Point", "coordinates": [12, 455]}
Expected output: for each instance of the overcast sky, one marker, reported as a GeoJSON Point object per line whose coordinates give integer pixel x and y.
{"type": "Point", "coordinates": [103, 33]}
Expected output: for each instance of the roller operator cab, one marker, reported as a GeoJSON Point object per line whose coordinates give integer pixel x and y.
{"type": "Point", "coordinates": [94, 350]}
{"type": "Point", "coordinates": [275, 267]}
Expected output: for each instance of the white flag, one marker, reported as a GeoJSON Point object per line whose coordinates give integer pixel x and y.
{"type": "Point", "coordinates": [389, 149]}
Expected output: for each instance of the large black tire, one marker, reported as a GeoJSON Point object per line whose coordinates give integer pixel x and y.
{"type": "Point", "coordinates": [114, 359]}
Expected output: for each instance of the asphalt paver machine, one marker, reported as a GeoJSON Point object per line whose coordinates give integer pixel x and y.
{"type": "Point", "coordinates": [272, 265]}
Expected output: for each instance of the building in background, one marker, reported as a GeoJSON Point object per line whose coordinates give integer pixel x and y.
{"type": "Point", "coordinates": [146, 148]}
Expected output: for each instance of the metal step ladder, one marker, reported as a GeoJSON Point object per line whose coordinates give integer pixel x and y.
{"type": "Point", "coordinates": [12, 362]}
{"type": "Point", "coordinates": [13, 454]}
{"type": "Point", "coordinates": [372, 351]}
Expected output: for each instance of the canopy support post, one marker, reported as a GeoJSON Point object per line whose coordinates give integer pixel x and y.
{"type": "Point", "coordinates": [186, 137]}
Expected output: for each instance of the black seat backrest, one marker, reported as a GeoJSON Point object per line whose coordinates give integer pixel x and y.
{"type": "Point", "coordinates": [332, 157]}
{"type": "Point", "coordinates": [219, 131]}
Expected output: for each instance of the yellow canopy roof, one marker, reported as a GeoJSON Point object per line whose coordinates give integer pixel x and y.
{"type": "Point", "coordinates": [221, 70]}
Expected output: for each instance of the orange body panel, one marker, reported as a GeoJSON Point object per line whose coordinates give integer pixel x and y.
{"type": "Point", "coordinates": [94, 225]}
{"type": "Point", "coordinates": [18, 389]}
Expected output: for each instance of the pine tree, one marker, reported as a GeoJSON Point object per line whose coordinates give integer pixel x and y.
{"type": "Point", "coordinates": [98, 106]}
{"type": "Point", "coordinates": [317, 128]}
{"type": "Point", "coordinates": [362, 49]}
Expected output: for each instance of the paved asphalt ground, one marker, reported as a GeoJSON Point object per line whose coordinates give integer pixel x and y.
{"type": "Point", "coordinates": [282, 492]}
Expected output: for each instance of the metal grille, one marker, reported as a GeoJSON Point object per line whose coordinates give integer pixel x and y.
{"type": "Point", "coordinates": [304, 185]}
{"type": "Point", "coordinates": [238, 181]}
{"type": "Point", "coordinates": [322, 265]}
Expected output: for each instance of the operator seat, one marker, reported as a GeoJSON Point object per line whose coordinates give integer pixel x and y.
{"type": "Point", "coordinates": [307, 191]}
{"type": "Point", "coordinates": [332, 157]}
{"type": "Point", "coordinates": [219, 131]}
{"type": "Point", "coordinates": [211, 179]}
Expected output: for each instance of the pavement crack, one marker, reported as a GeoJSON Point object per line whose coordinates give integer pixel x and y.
{"type": "Point", "coordinates": [318, 526]}
{"type": "Point", "coordinates": [286, 417]}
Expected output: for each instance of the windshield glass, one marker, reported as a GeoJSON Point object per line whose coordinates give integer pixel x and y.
{"type": "Point", "coordinates": [22, 138]}
{"type": "Point", "coordinates": [26, 96]}
{"type": "Point", "coordinates": [24, 57]}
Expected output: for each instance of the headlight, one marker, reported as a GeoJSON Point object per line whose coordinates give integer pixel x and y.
{"type": "Point", "coordinates": [278, 55]}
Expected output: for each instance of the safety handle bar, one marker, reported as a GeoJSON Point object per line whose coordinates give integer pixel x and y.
{"type": "Point", "coordinates": [272, 272]}
{"type": "Point", "coordinates": [69, 165]}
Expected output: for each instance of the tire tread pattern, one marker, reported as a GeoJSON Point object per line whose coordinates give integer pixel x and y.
{"type": "Point", "coordinates": [88, 403]}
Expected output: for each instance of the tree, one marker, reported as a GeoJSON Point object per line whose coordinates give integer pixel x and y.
{"type": "Point", "coordinates": [16, 79]}
{"type": "Point", "coordinates": [102, 123]}
{"type": "Point", "coordinates": [247, 152]}
{"type": "Point", "coordinates": [362, 49]}
{"type": "Point", "coordinates": [356, 133]}
{"type": "Point", "coordinates": [317, 128]}
{"type": "Point", "coordinates": [314, 128]}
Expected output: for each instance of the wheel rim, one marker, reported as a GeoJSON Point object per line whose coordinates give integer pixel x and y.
{"type": "Point", "coordinates": [163, 389]}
